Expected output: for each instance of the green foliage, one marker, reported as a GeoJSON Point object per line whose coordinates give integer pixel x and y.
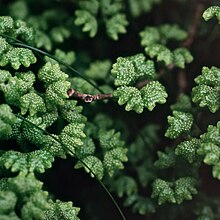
{"type": "Point", "coordinates": [174, 192]}
{"type": "Point", "coordinates": [207, 93]}
{"type": "Point", "coordinates": [154, 40]}
{"type": "Point", "coordinates": [154, 166]}
{"type": "Point", "coordinates": [127, 71]}
{"type": "Point", "coordinates": [165, 159]}
{"type": "Point", "coordinates": [139, 7]}
{"type": "Point", "coordinates": [188, 149]}
{"type": "Point", "coordinates": [179, 123]}
{"type": "Point", "coordinates": [89, 21]}
{"type": "Point", "coordinates": [211, 12]}
{"type": "Point", "coordinates": [38, 161]}
{"type": "Point", "coordinates": [115, 21]}
{"type": "Point", "coordinates": [62, 210]}
{"type": "Point", "coordinates": [210, 148]}
{"type": "Point", "coordinates": [7, 119]}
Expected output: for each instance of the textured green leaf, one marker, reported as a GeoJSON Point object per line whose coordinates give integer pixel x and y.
{"type": "Point", "coordinates": [207, 96]}
{"type": "Point", "coordinates": [17, 86]}
{"type": "Point", "coordinates": [72, 135]}
{"type": "Point", "coordinates": [27, 162]}
{"type": "Point", "coordinates": [56, 92]}
{"type": "Point", "coordinates": [138, 7]}
{"type": "Point", "coordinates": [163, 190]}
{"type": "Point", "coordinates": [11, 216]}
{"type": "Point", "coordinates": [128, 69]}
{"type": "Point", "coordinates": [113, 160]}
{"type": "Point", "coordinates": [131, 96]}
{"type": "Point", "coordinates": [110, 139]}
{"type": "Point", "coordinates": [184, 189]}
{"type": "Point", "coordinates": [188, 149]}
{"type": "Point", "coordinates": [116, 25]}
{"type": "Point", "coordinates": [4, 76]}
{"type": "Point", "coordinates": [210, 148]}
{"type": "Point", "coordinates": [90, 5]}
{"type": "Point", "coordinates": [92, 163]}
{"type": "Point", "coordinates": [180, 122]}
{"type": "Point", "coordinates": [82, 85]}
{"type": "Point", "coordinates": [4, 46]}
{"type": "Point", "coordinates": [60, 33]}
{"type": "Point", "coordinates": [35, 206]}
{"type": "Point", "coordinates": [17, 57]}
{"type": "Point", "coordinates": [125, 185]}
{"type": "Point", "coordinates": [182, 56]}
{"type": "Point", "coordinates": [51, 73]}
{"type": "Point", "coordinates": [161, 52]}
{"type": "Point", "coordinates": [6, 24]}
{"type": "Point", "coordinates": [24, 185]}
{"type": "Point", "coordinates": [207, 93]}
{"type": "Point", "coordinates": [183, 104]}
{"type": "Point", "coordinates": [88, 21]}
{"type": "Point", "coordinates": [67, 57]}
{"type": "Point", "coordinates": [99, 69]}
{"type": "Point", "coordinates": [62, 210]}
{"type": "Point", "coordinates": [211, 12]}
{"type": "Point", "coordinates": [165, 159]}
{"type": "Point", "coordinates": [210, 76]}
{"type": "Point", "coordinates": [72, 113]}
{"type": "Point", "coordinates": [161, 34]}
{"type": "Point", "coordinates": [8, 201]}
{"type": "Point", "coordinates": [140, 204]}
{"type": "Point", "coordinates": [152, 93]}
{"type": "Point", "coordinates": [32, 102]}
{"type": "Point", "coordinates": [87, 149]}
{"type": "Point", "coordinates": [174, 192]}
{"type": "Point", "coordinates": [7, 119]}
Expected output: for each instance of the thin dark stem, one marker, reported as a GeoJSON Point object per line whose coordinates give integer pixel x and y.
{"type": "Point", "coordinates": [88, 97]}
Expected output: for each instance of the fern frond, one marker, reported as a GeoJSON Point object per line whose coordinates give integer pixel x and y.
{"type": "Point", "coordinates": [207, 93]}
{"type": "Point", "coordinates": [179, 123]}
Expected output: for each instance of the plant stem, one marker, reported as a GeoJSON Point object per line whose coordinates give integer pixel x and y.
{"type": "Point", "coordinates": [88, 97]}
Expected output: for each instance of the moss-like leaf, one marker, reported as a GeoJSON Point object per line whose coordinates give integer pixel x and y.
{"type": "Point", "coordinates": [32, 102]}
{"type": "Point", "coordinates": [154, 92]}
{"type": "Point", "coordinates": [56, 93]}
{"type": "Point", "coordinates": [7, 119]}
{"type": "Point", "coordinates": [8, 201]}
{"type": "Point", "coordinates": [88, 20]}
{"type": "Point", "coordinates": [27, 162]}
{"type": "Point", "coordinates": [165, 159]}
{"type": "Point", "coordinates": [131, 96]}
{"type": "Point", "coordinates": [211, 12]}
{"type": "Point", "coordinates": [62, 210]}
{"type": "Point", "coordinates": [184, 189]}
{"type": "Point", "coordinates": [161, 52]}
{"type": "Point", "coordinates": [163, 190]}
{"type": "Point", "coordinates": [182, 56]}
{"type": "Point", "coordinates": [180, 122]}
{"type": "Point", "coordinates": [207, 93]}
{"type": "Point", "coordinates": [18, 56]}
{"type": "Point", "coordinates": [92, 163]}
{"type": "Point", "coordinates": [51, 73]}
{"type": "Point", "coordinates": [128, 69]}
{"type": "Point", "coordinates": [188, 149]}
{"type": "Point", "coordinates": [116, 25]}
{"type": "Point", "coordinates": [125, 185]}
{"type": "Point", "coordinates": [113, 160]}
{"type": "Point", "coordinates": [72, 135]}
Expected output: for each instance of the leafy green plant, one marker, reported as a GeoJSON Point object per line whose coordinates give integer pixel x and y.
{"type": "Point", "coordinates": [66, 95]}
